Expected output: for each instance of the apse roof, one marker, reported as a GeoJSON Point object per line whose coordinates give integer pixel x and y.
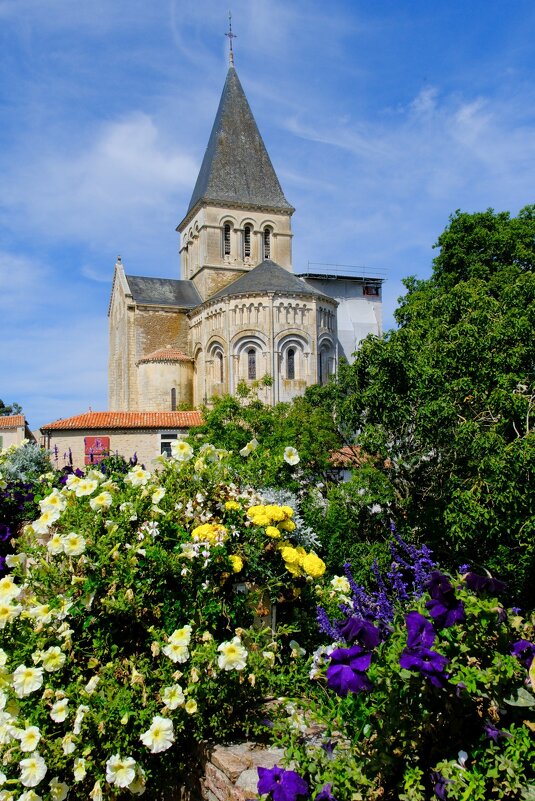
{"type": "Point", "coordinates": [268, 277]}
{"type": "Point", "coordinates": [236, 168]}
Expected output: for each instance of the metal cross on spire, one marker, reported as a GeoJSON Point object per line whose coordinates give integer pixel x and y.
{"type": "Point", "coordinates": [231, 36]}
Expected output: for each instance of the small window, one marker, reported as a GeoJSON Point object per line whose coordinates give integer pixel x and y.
{"type": "Point", "coordinates": [173, 399]}
{"type": "Point", "coordinates": [290, 364]}
{"type": "Point", "coordinates": [165, 443]}
{"type": "Point", "coordinates": [247, 242]}
{"type": "Point", "coordinates": [226, 239]}
{"type": "Point", "coordinates": [251, 363]}
{"type": "Point", "coordinates": [267, 243]}
{"type": "Point", "coordinates": [219, 357]}
{"type": "Point", "coordinates": [371, 289]}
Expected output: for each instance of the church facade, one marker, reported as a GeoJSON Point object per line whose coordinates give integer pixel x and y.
{"type": "Point", "coordinates": [238, 314]}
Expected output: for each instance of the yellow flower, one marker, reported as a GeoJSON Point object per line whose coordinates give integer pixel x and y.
{"type": "Point", "coordinates": [313, 565]}
{"type": "Point", "coordinates": [232, 506]}
{"type": "Point", "coordinates": [191, 706]}
{"type": "Point", "coordinates": [271, 531]}
{"type": "Point", "coordinates": [53, 659]}
{"type": "Point", "coordinates": [288, 511]}
{"type": "Point", "coordinates": [293, 556]}
{"type": "Point", "coordinates": [213, 533]}
{"type": "Point", "coordinates": [276, 513]}
{"type": "Point", "coordinates": [287, 525]}
{"type": "Point", "coordinates": [237, 563]}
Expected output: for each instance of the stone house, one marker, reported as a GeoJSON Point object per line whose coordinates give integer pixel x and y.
{"type": "Point", "coordinates": [87, 438]}
{"type": "Point", "coordinates": [13, 429]}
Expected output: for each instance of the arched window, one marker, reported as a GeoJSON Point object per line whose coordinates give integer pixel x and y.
{"type": "Point", "coordinates": [173, 399]}
{"type": "Point", "coordinates": [267, 243]}
{"type": "Point", "coordinates": [219, 358]}
{"type": "Point", "coordinates": [290, 363]}
{"type": "Point", "coordinates": [247, 242]}
{"type": "Point", "coordinates": [226, 239]}
{"type": "Point", "coordinates": [251, 363]}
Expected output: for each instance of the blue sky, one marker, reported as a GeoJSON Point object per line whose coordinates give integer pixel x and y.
{"type": "Point", "coordinates": [381, 119]}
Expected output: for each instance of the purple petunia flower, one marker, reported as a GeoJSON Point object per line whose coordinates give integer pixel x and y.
{"type": "Point", "coordinates": [281, 784]}
{"type": "Point", "coordinates": [488, 584]}
{"type": "Point", "coordinates": [439, 785]}
{"type": "Point", "coordinates": [524, 650]}
{"type": "Point", "coordinates": [328, 746]}
{"type": "Point", "coordinates": [444, 607]}
{"type": "Point", "coordinates": [362, 631]}
{"type": "Point", "coordinates": [420, 631]}
{"type": "Point", "coordinates": [493, 733]}
{"type": "Point", "coordinates": [347, 671]}
{"type": "Point", "coordinates": [427, 662]}
{"type": "Point", "coordinates": [325, 794]}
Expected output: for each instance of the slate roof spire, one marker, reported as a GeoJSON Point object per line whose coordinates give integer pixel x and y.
{"type": "Point", "coordinates": [236, 169]}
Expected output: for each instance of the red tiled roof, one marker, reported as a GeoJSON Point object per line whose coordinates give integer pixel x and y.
{"type": "Point", "coordinates": [100, 420]}
{"type": "Point", "coordinates": [348, 455]}
{"type": "Point", "coordinates": [166, 355]}
{"type": "Point", "coordinates": [12, 421]}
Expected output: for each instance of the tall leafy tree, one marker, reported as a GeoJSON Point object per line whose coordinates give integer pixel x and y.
{"type": "Point", "coordinates": [6, 410]}
{"type": "Point", "coordinates": [447, 400]}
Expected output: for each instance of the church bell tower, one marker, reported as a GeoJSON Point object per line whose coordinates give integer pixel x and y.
{"type": "Point", "coordinates": [238, 215]}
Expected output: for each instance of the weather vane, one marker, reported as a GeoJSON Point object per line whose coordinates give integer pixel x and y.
{"type": "Point", "coordinates": [231, 36]}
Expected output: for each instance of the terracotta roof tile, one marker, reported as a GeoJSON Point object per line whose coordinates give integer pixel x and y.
{"type": "Point", "coordinates": [12, 420]}
{"type": "Point", "coordinates": [346, 456]}
{"type": "Point", "coordinates": [166, 355]}
{"type": "Point", "coordinates": [118, 420]}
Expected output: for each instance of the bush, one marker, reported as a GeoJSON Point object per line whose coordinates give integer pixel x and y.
{"type": "Point", "coordinates": [425, 691]}
{"type": "Point", "coordinates": [137, 621]}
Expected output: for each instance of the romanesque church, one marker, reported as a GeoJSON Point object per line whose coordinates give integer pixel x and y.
{"type": "Point", "coordinates": [238, 313]}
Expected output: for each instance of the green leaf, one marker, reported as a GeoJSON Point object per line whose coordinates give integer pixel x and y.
{"type": "Point", "coordinates": [520, 697]}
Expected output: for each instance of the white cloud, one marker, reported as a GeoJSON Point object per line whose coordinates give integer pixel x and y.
{"type": "Point", "coordinates": [126, 173]}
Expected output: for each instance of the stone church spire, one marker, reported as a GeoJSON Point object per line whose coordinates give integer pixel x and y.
{"type": "Point", "coordinates": [236, 170]}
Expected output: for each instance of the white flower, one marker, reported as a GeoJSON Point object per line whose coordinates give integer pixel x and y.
{"type": "Point", "coordinates": [191, 706]}
{"type": "Point", "coordinates": [102, 501]}
{"type": "Point", "coordinates": [3, 657]}
{"type": "Point", "coordinates": [53, 659]}
{"type": "Point", "coordinates": [86, 486]}
{"type": "Point", "coordinates": [3, 778]}
{"type": "Point", "coordinates": [79, 769]}
{"type": "Point", "coordinates": [29, 738]}
{"type": "Point", "coordinates": [297, 651]}
{"type": "Point", "coordinates": [181, 451]}
{"type": "Point", "coordinates": [176, 653]}
{"type": "Point", "coordinates": [58, 790]}
{"type": "Point", "coordinates": [29, 795]}
{"type": "Point", "coordinates": [138, 786]}
{"type": "Point", "coordinates": [120, 771]}
{"type": "Point", "coordinates": [8, 590]}
{"type": "Point", "coordinates": [80, 714]}
{"type": "Point", "coordinates": [96, 792]}
{"type": "Point", "coordinates": [3, 699]}
{"type": "Point", "coordinates": [375, 508]}
{"type": "Point", "coordinates": [55, 544]}
{"type": "Point", "coordinates": [27, 680]}
{"type": "Point", "coordinates": [91, 685]}
{"type": "Point", "coordinates": [8, 612]}
{"type": "Point", "coordinates": [340, 584]}
{"type": "Point", "coordinates": [72, 481]}
{"type": "Point", "coordinates": [233, 656]}
{"type": "Point", "coordinates": [291, 456]}
{"type": "Point", "coordinates": [137, 477]}
{"type": "Point", "coordinates": [59, 710]}
{"type": "Point", "coordinates": [181, 636]}
{"type": "Point", "coordinates": [159, 736]}
{"type": "Point", "coordinates": [249, 448]}
{"type": "Point", "coordinates": [73, 544]}
{"type": "Point", "coordinates": [32, 770]}
{"type": "Point", "coordinates": [43, 523]}
{"type": "Point", "coordinates": [173, 696]}
{"type": "Point", "coordinates": [68, 744]}
{"type": "Point", "coordinates": [55, 502]}
{"type": "Point", "coordinates": [41, 613]}
{"type": "Point", "coordinates": [158, 494]}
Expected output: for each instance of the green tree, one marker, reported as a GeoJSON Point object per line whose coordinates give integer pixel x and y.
{"type": "Point", "coordinates": [13, 408]}
{"type": "Point", "coordinates": [446, 400]}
